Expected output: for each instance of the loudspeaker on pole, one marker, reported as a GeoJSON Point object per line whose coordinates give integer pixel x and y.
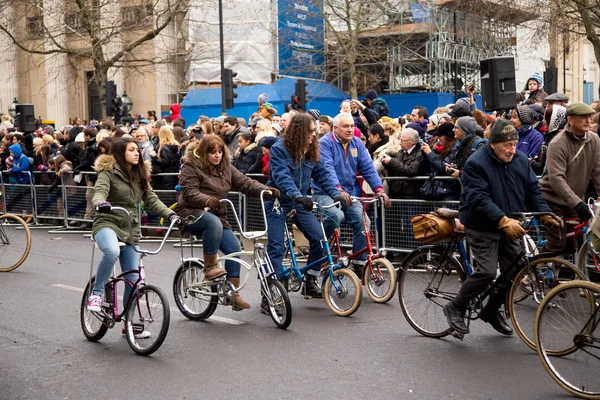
{"type": "Point", "coordinates": [498, 83]}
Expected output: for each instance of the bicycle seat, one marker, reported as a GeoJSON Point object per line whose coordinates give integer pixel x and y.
{"type": "Point", "coordinates": [447, 213]}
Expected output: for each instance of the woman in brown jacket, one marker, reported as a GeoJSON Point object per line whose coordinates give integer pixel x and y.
{"type": "Point", "coordinates": [207, 176]}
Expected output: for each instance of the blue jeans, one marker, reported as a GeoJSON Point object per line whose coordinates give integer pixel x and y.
{"type": "Point", "coordinates": [305, 221]}
{"type": "Point", "coordinates": [108, 242]}
{"type": "Point", "coordinates": [215, 238]}
{"type": "Point", "coordinates": [352, 216]}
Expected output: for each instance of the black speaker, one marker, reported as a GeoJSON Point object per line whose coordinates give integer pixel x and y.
{"type": "Point", "coordinates": [498, 83]}
{"type": "Point", "coordinates": [25, 118]}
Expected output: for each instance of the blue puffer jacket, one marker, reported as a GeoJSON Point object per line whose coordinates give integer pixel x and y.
{"type": "Point", "coordinates": [346, 164]}
{"type": "Point", "coordinates": [20, 164]}
{"type": "Point", "coordinates": [493, 189]}
{"type": "Point", "coordinates": [293, 180]}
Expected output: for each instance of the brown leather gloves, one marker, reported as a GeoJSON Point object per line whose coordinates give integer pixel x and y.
{"type": "Point", "coordinates": [511, 227]}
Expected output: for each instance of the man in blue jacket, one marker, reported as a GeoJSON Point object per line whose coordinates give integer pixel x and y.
{"type": "Point", "coordinates": [497, 181]}
{"type": "Point", "coordinates": [345, 154]}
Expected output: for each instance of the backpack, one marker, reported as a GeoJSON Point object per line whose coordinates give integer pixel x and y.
{"type": "Point", "coordinates": [478, 142]}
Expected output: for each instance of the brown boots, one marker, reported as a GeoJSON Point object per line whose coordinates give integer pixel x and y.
{"type": "Point", "coordinates": [238, 302]}
{"type": "Point", "coordinates": [211, 270]}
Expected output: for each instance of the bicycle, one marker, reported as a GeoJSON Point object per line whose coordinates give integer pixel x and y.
{"type": "Point", "coordinates": [341, 287]}
{"type": "Point", "coordinates": [378, 274]}
{"type": "Point", "coordinates": [15, 242]}
{"type": "Point", "coordinates": [567, 337]}
{"type": "Point", "coordinates": [147, 308]}
{"type": "Point", "coordinates": [431, 276]}
{"type": "Point", "coordinates": [197, 299]}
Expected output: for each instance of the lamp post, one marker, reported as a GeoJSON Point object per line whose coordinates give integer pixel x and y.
{"type": "Point", "coordinates": [12, 108]}
{"type": "Point", "coordinates": [127, 103]}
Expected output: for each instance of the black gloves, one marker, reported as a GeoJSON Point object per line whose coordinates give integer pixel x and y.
{"type": "Point", "coordinates": [343, 202]}
{"type": "Point", "coordinates": [583, 212]}
{"type": "Point", "coordinates": [104, 207]}
{"type": "Point", "coordinates": [275, 193]}
{"type": "Point", "coordinates": [306, 202]}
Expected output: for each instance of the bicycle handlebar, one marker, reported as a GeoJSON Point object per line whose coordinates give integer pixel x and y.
{"type": "Point", "coordinates": [366, 200]}
{"type": "Point", "coordinates": [237, 219]}
{"type": "Point", "coordinates": [524, 215]}
{"type": "Point", "coordinates": [130, 229]}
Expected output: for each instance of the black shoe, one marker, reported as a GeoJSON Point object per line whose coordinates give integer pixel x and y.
{"type": "Point", "coordinates": [311, 288]}
{"type": "Point", "coordinates": [264, 306]}
{"type": "Point", "coordinates": [455, 318]}
{"type": "Point", "coordinates": [497, 321]}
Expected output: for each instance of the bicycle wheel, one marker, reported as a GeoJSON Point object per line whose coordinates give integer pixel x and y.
{"type": "Point", "coordinates": [147, 319]}
{"type": "Point", "coordinates": [280, 307]}
{"type": "Point", "coordinates": [569, 319]}
{"type": "Point", "coordinates": [535, 280]}
{"type": "Point", "coordinates": [588, 261]}
{"type": "Point", "coordinates": [15, 242]}
{"type": "Point", "coordinates": [191, 298]}
{"type": "Point", "coordinates": [94, 326]}
{"type": "Point", "coordinates": [427, 281]}
{"type": "Point", "coordinates": [345, 301]}
{"type": "Point", "coordinates": [381, 283]}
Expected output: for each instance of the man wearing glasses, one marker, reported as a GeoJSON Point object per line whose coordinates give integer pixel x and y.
{"type": "Point", "coordinates": [347, 156]}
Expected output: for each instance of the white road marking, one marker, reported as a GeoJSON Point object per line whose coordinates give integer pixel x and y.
{"type": "Point", "coordinates": [175, 309]}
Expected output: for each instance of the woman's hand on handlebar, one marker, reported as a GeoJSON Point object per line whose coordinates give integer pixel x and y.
{"type": "Point", "coordinates": [105, 207]}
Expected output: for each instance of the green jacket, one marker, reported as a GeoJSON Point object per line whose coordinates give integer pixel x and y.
{"type": "Point", "coordinates": [112, 186]}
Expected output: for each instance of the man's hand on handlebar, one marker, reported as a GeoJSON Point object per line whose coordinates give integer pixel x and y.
{"type": "Point", "coordinates": [275, 193]}
{"type": "Point", "coordinates": [387, 203]}
{"type": "Point", "coordinates": [306, 202]}
{"type": "Point", "coordinates": [550, 222]}
{"type": "Point", "coordinates": [511, 227]}
{"type": "Point", "coordinates": [105, 207]}
{"type": "Point", "coordinates": [583, 212]}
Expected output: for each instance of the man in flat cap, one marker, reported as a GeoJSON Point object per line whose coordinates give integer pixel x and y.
{"type": "Point", "coordinates": [497, 181]}
{"type": "Point", "coordinates": [572, 161]}
{"type": "Point", "coordinates": [557, 98]}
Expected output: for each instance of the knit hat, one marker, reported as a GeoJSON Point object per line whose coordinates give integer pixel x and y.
{"type": "Point", "coordinates": [503, 131]}
{"type": "Point", "coordinates": [418, 127]}
{"type": "Point", "coordinates": [579, 109]}
{"type": "Point", "coordinates": [80, 138]}
{"type": "Point", "coordinates": [468, 125]}
{"type": "Point", "coordinates": [269, 141]}
{"type": "Point", "coordinates": [445, 129]}
{"type": "Point", "coordinates": [371, 94]}
{"type": "Point", "coordinates": [538, 111]}
{"type": "Point", "coordinates": [316, 114]}
{"type": "Point", "coordinates": [460, 109]}
{"type": "Point", "coordinates": [538, 78]}
{"type": "Point", "coordinates": [525, 114]}
{"type": "Point", "coordinates": [558, 118]}
{"type": "Point", "coordinates": [435, 118]}
{"type": "Point", "coordinates": [263, 98]}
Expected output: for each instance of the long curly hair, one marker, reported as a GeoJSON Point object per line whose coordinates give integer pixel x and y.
{"type": "Point", "coordinates": [199, 152]}
{"type": "Point", "coordinates": [296, 138]}
{"type": "Point", "coordinates": [138, 174]}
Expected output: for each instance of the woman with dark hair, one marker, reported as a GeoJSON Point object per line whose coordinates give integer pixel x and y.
{"type": "Point", "coordinates": [122, 181]}
{"type": "Point", "coordinates": [378, 143]}
{"type": "Point", "coordinates": [207, 176]}
{"type": "Point", "coordinates": [294, 160]}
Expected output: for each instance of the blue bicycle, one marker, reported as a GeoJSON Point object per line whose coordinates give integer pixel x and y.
{"type": "Point", "coordinates": [341, 287]}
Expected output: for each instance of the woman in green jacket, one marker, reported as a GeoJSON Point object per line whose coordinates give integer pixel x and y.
{"type": "Point", "coordinates": [123, 182]}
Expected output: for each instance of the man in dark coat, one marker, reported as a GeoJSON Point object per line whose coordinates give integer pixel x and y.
{"type": "Point", "coordinates": [408, 162]}
{"type": "Point", "coordinates": [497, 181]}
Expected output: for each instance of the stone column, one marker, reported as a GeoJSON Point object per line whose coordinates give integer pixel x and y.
{"type": "Point", "coordinates": [57, 66]}
{"type": "Point", "coordinates": [9, 77]}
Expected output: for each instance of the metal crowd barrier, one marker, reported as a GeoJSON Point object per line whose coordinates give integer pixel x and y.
{"type": "Point", "coordinates": [71, 201]}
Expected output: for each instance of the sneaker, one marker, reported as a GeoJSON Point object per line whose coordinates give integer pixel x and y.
{"type": "Point", "coordinates": [94, 303]}
{"type": "Point", "coordinates": [138, 332]}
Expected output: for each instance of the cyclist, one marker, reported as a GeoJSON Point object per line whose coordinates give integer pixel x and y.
{"type": "Point", "coordinates": [344, 154]}
{"type": "Point", "coordinates": [122, 181]}
{"type": "Point", "coordinates": [293, 162]}
{"type": "Point", "coordinates": [571, 162]}
{"type": "Point", "coordinates": [497, 181]}
{"type": "Point", "coordinates": [207, 176]}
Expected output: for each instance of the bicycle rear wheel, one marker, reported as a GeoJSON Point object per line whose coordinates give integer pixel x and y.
{"type": "Point", "coordinates": [531, 284]}
{"type": "Point", "coordinates": [345, 301]}
{"type": "Point", "coordinates": [94, 326]}
{"type": "Point", "coordinates": [381, 283]}
{"type": "Point", "coordinates": [188, 292]}
{"type": "Point", "coordinates": [569, 318]}
{"type": "Point", "coordinates": [147, 319]}
{"type": "Point", "coordinates": [588, 262]}
{"type": "Point", "coordinates": [15, 242]}
{"type": "Point", "coordinates": [427, 281]}
{"type": "Point", "coordinates": [280, 307]}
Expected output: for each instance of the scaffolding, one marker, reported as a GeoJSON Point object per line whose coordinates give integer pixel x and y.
{"type": "Point", "coordinates": [435, 47]}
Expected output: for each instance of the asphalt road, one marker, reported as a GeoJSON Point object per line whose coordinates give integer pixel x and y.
{"type": "Point", "coordinates": [373, 354]}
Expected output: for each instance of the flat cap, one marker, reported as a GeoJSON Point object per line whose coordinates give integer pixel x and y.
{"type": "Point", "coordinates": [557, 97]}
{"type": "Point", "coordinates": [579, 109]}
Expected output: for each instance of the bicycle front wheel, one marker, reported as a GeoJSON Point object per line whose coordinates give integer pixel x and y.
{"type": "Point", "coordinates": [15, 242]}
{"type": "Point", "coordinates": [194, 300]}
{"type": "Point", "coordinates": [345, 299]}
{"type": "Point", "coordinates": [380, 283]}
{"type": "Point", "coordinates": [280, 307]}
{"type": "Point", "coordinates": [94, 325]}
{"type": "Point", "coordinates": [569, 318]}
{"type": "Point", "coordinates": [427, 281]}
{"type": "Point", "coordinates": [530, 286]}
{"type": "Point", "coordinates": [147, 319]}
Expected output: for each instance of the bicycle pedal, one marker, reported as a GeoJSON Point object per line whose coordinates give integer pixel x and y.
{"type": "Point", "coordinates": [457, 335]}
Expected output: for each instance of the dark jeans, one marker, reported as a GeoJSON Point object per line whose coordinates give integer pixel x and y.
{"type": "Point", "coordinates": [489, 249]}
